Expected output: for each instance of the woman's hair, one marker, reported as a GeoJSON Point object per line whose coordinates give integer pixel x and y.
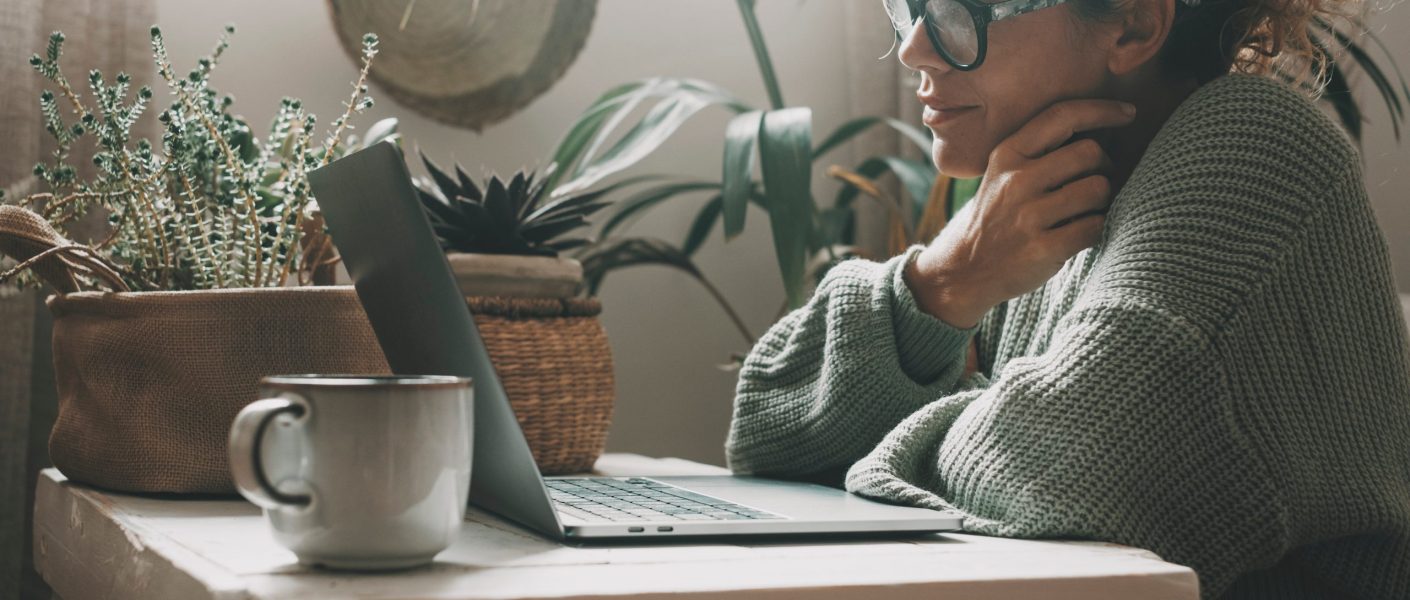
{"type": "Point", "coordinates": [1215, 37]}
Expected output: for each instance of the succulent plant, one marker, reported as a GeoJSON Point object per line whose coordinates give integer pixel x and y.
{"type": "Point", "coordinates": [502, 217]}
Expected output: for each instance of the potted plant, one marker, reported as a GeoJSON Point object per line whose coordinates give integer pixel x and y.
{"type": "Point", "coordinates": [503, 240]}
{"type": "Point", "coordinates": [206, 226]}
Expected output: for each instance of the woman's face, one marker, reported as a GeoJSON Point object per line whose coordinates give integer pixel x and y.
{"type": "Point", "coordinates": [1033, 60]}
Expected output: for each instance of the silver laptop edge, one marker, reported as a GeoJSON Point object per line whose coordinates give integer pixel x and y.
{"type": "Point", "coordinates": [419, 316]}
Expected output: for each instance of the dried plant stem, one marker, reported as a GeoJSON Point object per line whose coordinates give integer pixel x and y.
{"type": "Point", "coordinates": [353, 100]}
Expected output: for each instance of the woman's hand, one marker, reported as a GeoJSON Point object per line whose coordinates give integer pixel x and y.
{"type": "Point", "coordinates": [1042, 201]}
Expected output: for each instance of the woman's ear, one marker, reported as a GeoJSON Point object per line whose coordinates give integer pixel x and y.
{"type": "Point", "coordinates": [1143, 29]}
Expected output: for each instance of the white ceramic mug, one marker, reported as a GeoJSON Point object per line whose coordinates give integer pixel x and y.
{"type": "Point", "coordinates": [358, 472]}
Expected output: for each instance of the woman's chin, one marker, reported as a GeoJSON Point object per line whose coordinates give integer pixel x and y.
{"type": "Point", "coordinates": [958, 169]}
{"type": "Point", "coordinates": [957, 162]}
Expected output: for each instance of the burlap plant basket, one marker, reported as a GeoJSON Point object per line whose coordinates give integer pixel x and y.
{"type": "Point", "coordinates": [150, 382]}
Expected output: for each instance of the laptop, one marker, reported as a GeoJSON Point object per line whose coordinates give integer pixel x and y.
{"type": "Point", "coordinates": [419, 315]}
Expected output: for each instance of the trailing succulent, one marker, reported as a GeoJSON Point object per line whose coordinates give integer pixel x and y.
{"type": "Point", "coordinates": [502, 217]}
{"type": "Point", "coordinates": [208, 205]}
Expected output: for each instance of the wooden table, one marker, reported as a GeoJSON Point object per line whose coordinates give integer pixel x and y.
{"type": "Point", "coordinates": [91, 544]}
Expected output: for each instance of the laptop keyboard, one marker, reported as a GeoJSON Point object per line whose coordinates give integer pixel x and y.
{"type": "Point", "coordinates": [607, 500]}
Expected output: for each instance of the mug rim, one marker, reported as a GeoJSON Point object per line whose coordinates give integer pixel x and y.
{"type": "Point", "coordinates": [345, 381]}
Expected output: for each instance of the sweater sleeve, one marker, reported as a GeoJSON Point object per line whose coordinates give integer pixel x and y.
{"type": "Point", "coordinates": [826, 382]}
{"type": "Point", "coordinates": [1120, 431]}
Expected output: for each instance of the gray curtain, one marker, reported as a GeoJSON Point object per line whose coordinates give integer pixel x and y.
{"type": "Point", "coordinates": [109, 35]}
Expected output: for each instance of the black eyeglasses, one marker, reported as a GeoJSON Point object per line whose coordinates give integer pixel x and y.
{"type": "Point", "coordinates": [958, 28]}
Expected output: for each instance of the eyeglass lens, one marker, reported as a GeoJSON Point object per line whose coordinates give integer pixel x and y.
{"type": "Point", "coordinates": [949, 26]}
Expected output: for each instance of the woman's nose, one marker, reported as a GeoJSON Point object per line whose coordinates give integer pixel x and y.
{"type": "Point", "coordinates": [917, 54]}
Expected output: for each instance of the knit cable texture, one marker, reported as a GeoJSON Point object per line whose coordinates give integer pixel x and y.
{"type": "Point", "coordinates": [1223, 379]}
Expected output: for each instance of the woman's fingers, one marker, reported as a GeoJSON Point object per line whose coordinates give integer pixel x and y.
{"type": "Point", "coordinates": [1074, 237]}
{"type": "Point", "coordinates": [1090, 194]}
{"type": "Point", "coordinates": [1070, 163]}
{"type": "Point", "coordinates": [1058, 123]}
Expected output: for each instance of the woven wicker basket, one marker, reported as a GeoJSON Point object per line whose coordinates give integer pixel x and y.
{"type": "Point", "coordinates": [556, 365]}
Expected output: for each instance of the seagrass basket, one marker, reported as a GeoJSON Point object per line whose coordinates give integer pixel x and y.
{"type": "Point", "coordinates": [553, 357]}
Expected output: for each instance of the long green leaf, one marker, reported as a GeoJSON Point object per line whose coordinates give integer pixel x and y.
{"type": "Point", "coordinates": [740, 136]}
{"type": "Point", "coordinates": [702, 225]}
{"type": "Point", "coordinates": [1338, 94]}
{"type": "Point", "coordinates": [622, 110]}
{"type": "Point", "coordinates": [650, 197]}
{"type": "Point", "coordinates": [917, 177]}
{"type": "Point", "coordinates": [386, 129]}
{"type": "Point", "coordinates": [785, 144]}
{"type": "Point", "coordinates": [611, 254]}
{"type": "Point", "coordinates": [761, 53]}
{"type": "Point", "coordinates": [1372, 70]}
{"type": "Point", "coordinates": [574, 143]}
{"type": "Point", "coordinates": [648, 134]}
{"type": "Point", "coordinates": [571, 150]}
{"type": "Point", "coordinates": [855, 127]}
{"type": "Point", "coordinates": [1394, 65]}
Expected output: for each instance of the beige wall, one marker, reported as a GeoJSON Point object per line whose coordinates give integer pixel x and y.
{"type": "Point", "coordinates": [666, 332]}
{"type": "Point", "coordinates": [1387, 161]}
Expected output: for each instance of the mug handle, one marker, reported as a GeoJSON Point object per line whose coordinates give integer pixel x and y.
{"type": "Point", "coordinates": [246, 464]}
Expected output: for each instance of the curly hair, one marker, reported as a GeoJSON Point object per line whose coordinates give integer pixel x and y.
{"type": "Point", "coordinates": [1270, 37]}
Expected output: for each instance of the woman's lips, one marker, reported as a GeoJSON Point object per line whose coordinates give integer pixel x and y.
{"type": "Point", "coordinates": [934, 117]}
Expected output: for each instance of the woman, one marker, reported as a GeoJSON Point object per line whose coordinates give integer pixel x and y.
{"type": "Point", "coordinates": [1188, 336]}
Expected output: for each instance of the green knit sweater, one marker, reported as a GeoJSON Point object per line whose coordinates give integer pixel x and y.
{"type": "Point", "coordinates": [1223, 379]}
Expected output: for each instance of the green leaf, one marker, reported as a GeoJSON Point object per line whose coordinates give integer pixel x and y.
{"type": "Point", "coordinates": [654, 129]}
{"type": "Point", "coordinates": [573, 156]}
{"type": "Point", "coordinates": [567, 244]}
{"type": "Point", "coordinates": [571, 204]}
{"type": "Point", "coordinates": [439, 209]}
{"type": "Point", "coordinates": [651, 197]}
{"type": "Point", "coordinates": [740, 136]}
{"type": "Point", "coordinates": [623, 109]}
{"type": "Point", "coordinates": [497, 205]}
{"type": "Point", "coordinates": [551, 229]}
{"type": "Point", "coordinates": [447, 185]}
{"type": "Point", "coordinates": [855, 127]}
{"type": "Point", "coordinates": [785, 143]}
{"type": "Point", "coordinates": [1395, 66]}
{"type": "Point", "coordinates": [761, 53]}
{"type": "Point", "coordinates": [574, 143]}
{"type": "Point", "coordinates": [917, 177]}
{"type": "Point", "coordinates": [571, 201]}
{"type": "Point", "coordinates": [961, 192]}
{"type": "Point", "coordinates": [704, 222]}
{"type": "Point", "coordinates": [603, 258]}
{"type": "Point", "coordinates": [1372, 70]}
{"type": "Point", "coordinates": [1338, 94]}
{"type": "Point", "coordinates": [870, 168]}
{"type": "Point", "coordinates": [381, 130]}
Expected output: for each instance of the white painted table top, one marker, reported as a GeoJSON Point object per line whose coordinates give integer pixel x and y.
{"type": "Point", "coordinates": [92, 544]}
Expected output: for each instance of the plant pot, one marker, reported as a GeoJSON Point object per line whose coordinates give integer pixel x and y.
{"type": "Point", "coordinates": [150, 382]}
{"type": "Point", "coordinates": [516, 276]}
{"type": "Point", "coordinates": [549, 350]}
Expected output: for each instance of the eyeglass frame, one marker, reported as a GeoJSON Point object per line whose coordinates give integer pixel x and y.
{"type": "Point", "coordinates": [980, 13]}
